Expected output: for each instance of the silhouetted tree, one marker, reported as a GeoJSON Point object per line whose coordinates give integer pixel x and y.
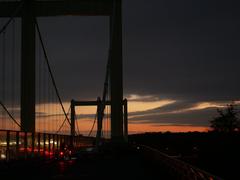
{"type": "Point", "coordinates": [227, 121]}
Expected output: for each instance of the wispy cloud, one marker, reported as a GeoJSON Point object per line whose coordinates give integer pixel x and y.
{"type": "Point", "coordinates": [179, 113]}
{"type": "Point", "coordinates": [139, 103]}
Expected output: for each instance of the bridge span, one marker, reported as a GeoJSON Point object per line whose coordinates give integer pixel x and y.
{"type": "Point", "coordinates": [104, 162]}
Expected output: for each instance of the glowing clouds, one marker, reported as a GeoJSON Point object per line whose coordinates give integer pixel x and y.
{"type": "Point", "coordinates": [143, 103]}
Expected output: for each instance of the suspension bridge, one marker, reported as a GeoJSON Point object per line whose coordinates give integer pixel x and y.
{"type": "Point", "coordinates": [30, 99]}
{"type": "Point", "coordinates": [34, 120]}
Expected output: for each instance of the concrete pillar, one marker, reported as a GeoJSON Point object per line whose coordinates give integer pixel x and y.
{"type": "Point", "coordinates": [28, 68]}
{"type": "Point", "coordinates": [116, 84]}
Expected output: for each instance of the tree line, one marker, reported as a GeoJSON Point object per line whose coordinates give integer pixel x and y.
{"type": "Point", "coordinates": [227, 121]}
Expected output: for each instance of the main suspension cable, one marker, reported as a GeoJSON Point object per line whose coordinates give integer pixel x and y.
{"type": "Point", "coordinates": [50, 72]}
{"type": "Point", "coordinates": [9, 114]}
{"type": "Point", "coordinates": [63, 122]}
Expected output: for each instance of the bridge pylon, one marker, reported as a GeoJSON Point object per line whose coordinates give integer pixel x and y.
{"type": "Point", "coordinates": [99, 116]}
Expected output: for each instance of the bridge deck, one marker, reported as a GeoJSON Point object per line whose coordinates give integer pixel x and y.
{"type": "Point", "coordinates": [107, 164]}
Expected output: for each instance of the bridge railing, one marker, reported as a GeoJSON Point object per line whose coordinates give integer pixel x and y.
{"type": "Point", "coordinates": [178, 168]}
{"type": "Point", "coordinates": [18, 145]}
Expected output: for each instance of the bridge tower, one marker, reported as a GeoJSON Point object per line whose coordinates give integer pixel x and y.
{"type": "Point", "coordinates": [28, 67]}
{"type": "Point", "coordinates": [116, 85]}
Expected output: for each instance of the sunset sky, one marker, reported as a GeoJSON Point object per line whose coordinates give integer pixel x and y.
{"type": "Point", "coordinates": [181, 61]}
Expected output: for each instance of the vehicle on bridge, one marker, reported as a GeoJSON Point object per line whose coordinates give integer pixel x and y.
{"type": "Point", "coordinates": [64, 153]}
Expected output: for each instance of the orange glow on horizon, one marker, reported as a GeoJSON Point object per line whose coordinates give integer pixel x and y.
{"type": "Point", "coordinates": [49, 117]}
{"type": "Point", "coordinates": [141, 128]}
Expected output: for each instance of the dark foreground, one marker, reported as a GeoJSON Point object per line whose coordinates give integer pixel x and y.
{"type": "Point", "coordinates": [110, 163]}
{"type": "Point", "coordinates": [217, 153]}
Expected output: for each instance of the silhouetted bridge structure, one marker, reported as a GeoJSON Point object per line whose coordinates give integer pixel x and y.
{"type": "Point", "coordinates": [37, 94]}
{"type": "Point", "coordinates": [34, 122]}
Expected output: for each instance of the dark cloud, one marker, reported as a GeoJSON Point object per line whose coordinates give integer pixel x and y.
{"type": "Point", "coordinates": [184, 49]}
{"type": "Point", "coordinates": [193, 118]}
